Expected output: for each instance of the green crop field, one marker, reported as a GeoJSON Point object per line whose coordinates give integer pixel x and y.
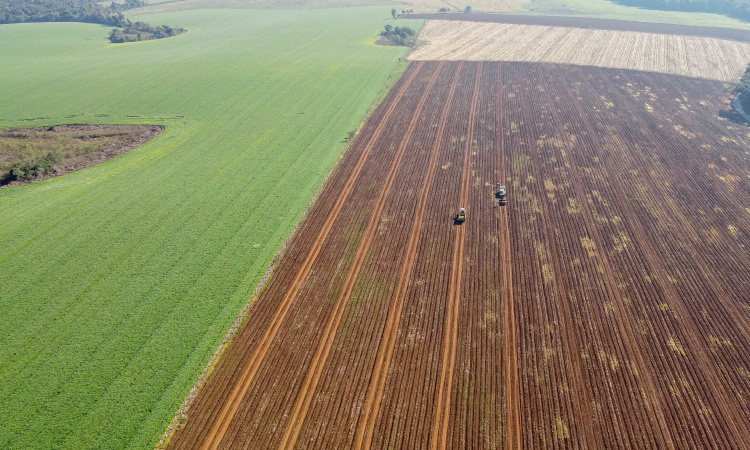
{"type": "Point", "coordinates": [118, 282]}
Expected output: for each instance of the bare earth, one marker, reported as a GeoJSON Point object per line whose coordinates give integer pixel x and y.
{"type": "Point", "coordinates": [604, 307]}
{"type": "Point", "coordinates": [700, 57]}
{"type": "Point", "coordinates": [75, 146]}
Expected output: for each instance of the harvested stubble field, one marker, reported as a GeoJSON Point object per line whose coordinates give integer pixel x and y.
{"type": "Point", "coordinates": [605, 306]}
{"type": "Point", "coordinates": [694, 56]}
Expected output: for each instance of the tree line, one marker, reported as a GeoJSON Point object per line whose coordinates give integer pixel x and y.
{"type": "Point", "coordinates": [88, 11]}
{"type": "Point", "coordinates": [19, 11]}
{"type": "Point", "coordinates": [141, 31]}
{"type": "Point", "coordinates": [739, 9]}
{"type": "Point", "coordinates": [742, 91]}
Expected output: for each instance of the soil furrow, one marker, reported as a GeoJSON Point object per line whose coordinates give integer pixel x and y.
{"type": "Point", "coordinates": [375, 391]}
{"type": "Point", "coordinates": [305, 395]}
{"type": "Point", "coordinates": [513, 439]}
{"type": "Point", "coordinates": [626, 328]}
{"type": "Point", "coordinates": [440, 429]}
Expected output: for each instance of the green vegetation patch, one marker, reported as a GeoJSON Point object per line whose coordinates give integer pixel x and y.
{"type": "Point", "coordinates": [398, 36]}
{"type": "Point", "coordinates": [32, 154]}
{"type": "Point", "coordinates": [742, 91]}
{"type": "Point", "coordinates": [733, 8]}
{"type": "Point", "coordinates": [141, 31]}
{"type": "Point", "coordinates": [120, 280]}
{"type": "Point", "coordinates": [87, 11]}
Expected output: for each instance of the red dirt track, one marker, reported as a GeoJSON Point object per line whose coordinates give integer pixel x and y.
{"type": "Point", "coordinates": [606, 306]}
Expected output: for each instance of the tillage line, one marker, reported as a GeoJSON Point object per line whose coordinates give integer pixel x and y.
{"type": "Point", "coordinates": [560, 296]}
{"type": "Point", "coordinates": [630, 341]}
{"type": "Point", "coordinates": [443, 406]}
{"type": "Point", "coordinates": [510, 355]}
{"type": "Point", "coordinates": [233, 401]}
{"type": "Point", "coordinates": [305, 396]}
{"type": "Point", "coordinates": [366, 427]}
{"type": "Point", "coordinates": [735, 422]}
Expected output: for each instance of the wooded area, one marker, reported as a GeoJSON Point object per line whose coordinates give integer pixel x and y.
{"type": "Point", "coordinates": [19, 11]}
{"type": "Point", "coordinates": [739, 9]}
{"type": "Point", "coordinates": [89, 11]}
{"type": "Point", "coordinates": [743, 90]}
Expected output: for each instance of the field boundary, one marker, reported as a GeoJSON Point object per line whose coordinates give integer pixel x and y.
{"type": "Point", "coordinates": [588, 23]}
{"type": "Point", "coordinates": [371, 408]}
{"type": "Point", "coordinates": [625, 325]}
{"type": "Point", "coordinates": [258, 355]}
{"type": "Point", "coordinates": [513, 439]}
{"type": "Point", "coordinates": [181, 416]}
{"type": "Point", "coordinates": [304, 397]}
{"type": "Point", "coordinates": [443, 407]}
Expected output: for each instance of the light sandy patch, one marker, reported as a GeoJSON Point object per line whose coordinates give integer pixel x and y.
{"type": "Point", "coordinates": [700, 57]}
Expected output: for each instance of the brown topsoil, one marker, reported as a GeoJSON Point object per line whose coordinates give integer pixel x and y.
{"type": "Point", "coordinates": [75, 146]}
{"type": "Point", "coordinates": [604, 306]}
{"type": "Point", "coordinates": [596, 24]}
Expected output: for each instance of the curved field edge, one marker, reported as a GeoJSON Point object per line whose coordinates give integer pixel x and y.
{"type": "Point", "coordinates": [35, 154]}
{"type": "Point", "coordinates": [123, 278]}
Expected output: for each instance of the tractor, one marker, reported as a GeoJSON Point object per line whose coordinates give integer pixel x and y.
{"type": "Point", "coordinates": [501, 191]}
{"type": "Point", "coordinates": [461, 216]}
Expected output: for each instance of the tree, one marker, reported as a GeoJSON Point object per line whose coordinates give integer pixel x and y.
{"type": "Point", "coordinates": [467, 10]}
{"type": "Point", "coordinates": [393, 12]}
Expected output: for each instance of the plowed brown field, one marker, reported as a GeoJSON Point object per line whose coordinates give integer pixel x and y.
{"type": "Point", "coordinates": [606, 306]}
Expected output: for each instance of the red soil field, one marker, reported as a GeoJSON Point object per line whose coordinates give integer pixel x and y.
{"type": "Point", "coordinates": [593, 24]}
{"type": "Point", "coordinates": [606, 306]}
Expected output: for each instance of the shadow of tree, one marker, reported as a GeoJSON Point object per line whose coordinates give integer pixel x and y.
{"type": "Point", "coordinates": [734, 116]}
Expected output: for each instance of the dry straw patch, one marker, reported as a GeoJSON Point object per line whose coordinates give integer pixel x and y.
{"type": "Point", "coordinates": [701, 57]}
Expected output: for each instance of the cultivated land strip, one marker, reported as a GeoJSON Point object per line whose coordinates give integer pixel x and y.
{"type": "Point", "coordinates": [440, 429]}
{"type": "Point", "coordinates": [513, 439]}
{"type": "Point", "coordinates": [231, 404]}
{"type": "Point", "coordinates": [702, 57]}
{"type": "Point", "coordinates": [335, 423]}
{"type": "Point", "coordinates": [740, 320]}
{"type": "Point", "coordinates": [626, 329]}
{"type": "Point", "coordinates": [715, 393]}
{"type": "Point", "coordinates": [375, 391]}
{"type": "Point", "coordinates": [561, 296]}
{"type": "Point", "coordinates": [305, 395]}
{"type": "Point", "coordinates": [741, 432]}
{"type": "Point", "coordinates": [412, 379]}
